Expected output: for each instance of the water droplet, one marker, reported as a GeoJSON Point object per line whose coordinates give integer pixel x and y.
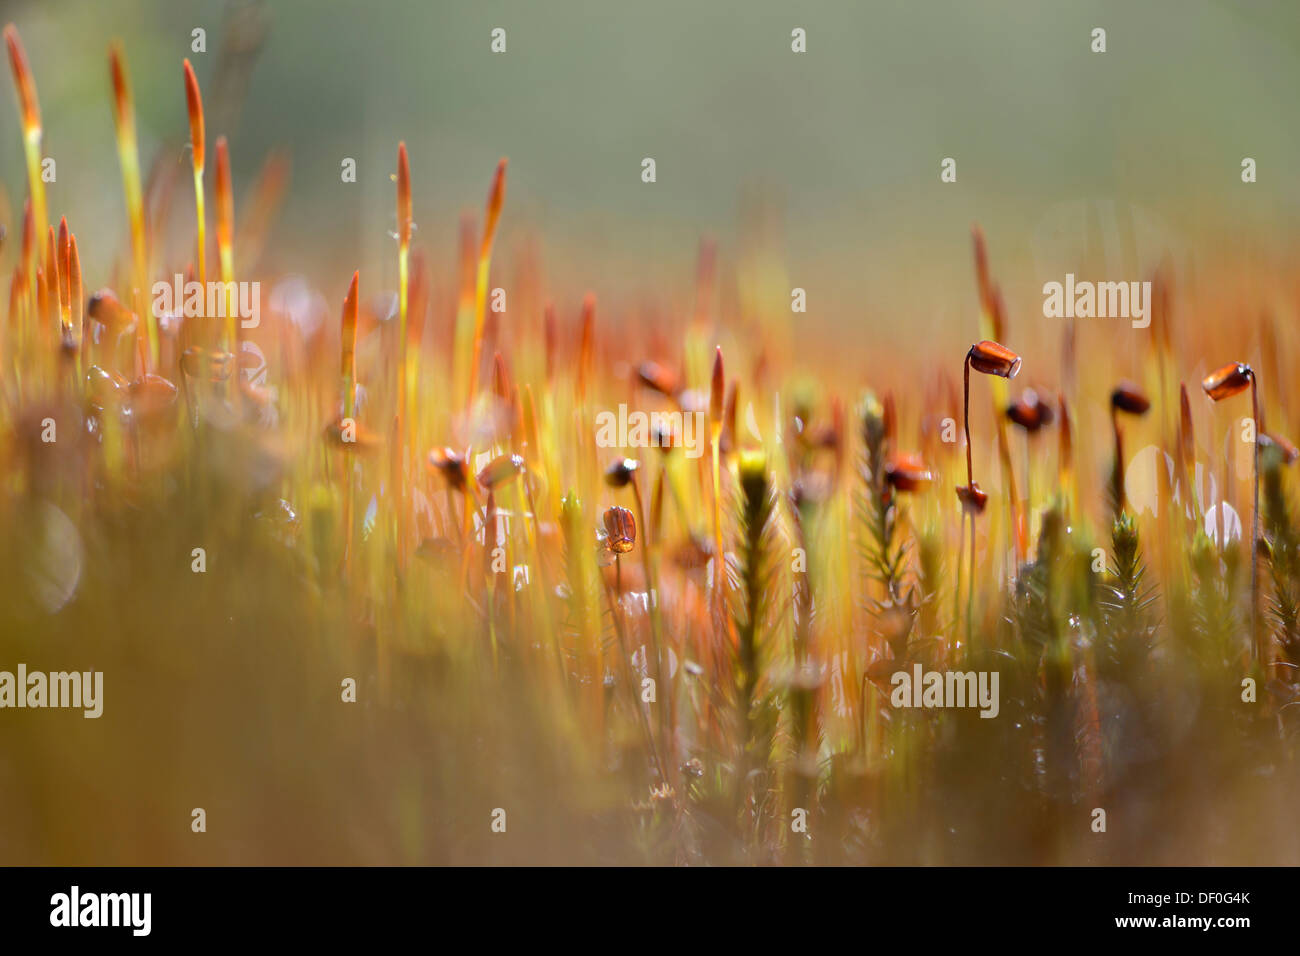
{"type": "Point", "coordinates": [54, 569]}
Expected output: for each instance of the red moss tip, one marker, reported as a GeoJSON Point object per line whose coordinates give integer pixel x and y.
{"type": "Point", "coordinates": [225, 195]}
{"type": "Point", "coordinates": [63, 251]}
{"type": "Point", "coordinates": [889, 418]}
{"type": "Point", "coordinates": [1067, 434]}
{"type": "Point", "coordinates": [496, 199]}
{"type": "Point", "coordinates": [550, 337]}
{"type": "Point", "coordinates": [403, 195]}
{"type": "Point", "coordinates": [52, 266]}
{"type": "Point", "coordinates": [717, 388]}
{"type": "Point", "coordinates": [1228, 381]}
{"type": "Point", "coordinates": [74, 284]}
{"type": "Point", "coordinates": [500, 378]}
{"type": "Point", "coordinates": [31, 110]}
{"type": "Point", "coordinates": [29, 231]}
{"type": "Point", "coordinates": [121, 85]}
{"type": "Point", "coordinates": [1127, 397]}
{"type": "Point", "coordinates": [729, 416]}
{"type": "Point", "coordinates": [1186, 438]}
{"type": "Point", "coordinates": [350, 326]}
{"type": "Point", "coordinates": [982, 267]}
{"type": "Point", "coordinates": [992, 358]}
{"type": "Point", "coordinates": [586, 344]}
{"type": "Point", "coordinates": [194, 105]}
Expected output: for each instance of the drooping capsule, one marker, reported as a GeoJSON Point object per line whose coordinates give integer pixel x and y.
{"type": "Point", "coordinates": [1230, 380]}
{"type": "Point", "coordinates": [992, 358]}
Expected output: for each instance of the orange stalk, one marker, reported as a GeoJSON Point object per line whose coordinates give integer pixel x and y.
{"type": "Point", "coordinates": [17, 298]}
{"type": "Point", "coordinates": [42, 303]}
{"type": "Point", "coordinates": [51, 313]}
{"type": "Point", "coordinates": [496, 197]}
{"type": "Point", "coordinates": [194, 106]}
{"type": "Point", "coordinates": [404, 376]}
{"type": "Point", "coordinates": [27, 254]}
{"type": "Point", "coordinates": [29, 238]}
{"type": "Point", "coordinates": [31, 119]}
{"type": "Point", "coordinates": [225, 237]}
{"type": "Point", "coordinates": [585, 345]}
{"type": "Point", "coordinates": [349, 370]}
{"type": "Point", "coordinates": [463, 329]}
{"type": "Point", "coordinates": [77, 296]}
{"type": "Point", "coordinates": [1065, 459]}
{"type": "Point", "coordinates": [349, 350]}
{"type": "Point", "coordinates": [62, 251]}
{"type": "Point", "coordinates": [585, 348]}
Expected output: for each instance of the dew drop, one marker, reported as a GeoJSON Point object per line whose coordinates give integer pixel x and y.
{"type": "Point", "coordinates": [54, 570]}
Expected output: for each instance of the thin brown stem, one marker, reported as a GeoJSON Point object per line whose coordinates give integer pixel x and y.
{"type": "Point", "coordinates": [615, 599]}
{"type": "Point", "coordinates": [966, 416]}
{"type": "Point", "coordinates": [1121, 501]}
{"type": "Point", "coordinates": [652, 599]}
{"type": "Point", "coordinates": [1254, 522]}
{"type": "Point", "coordinates": [970, 592]}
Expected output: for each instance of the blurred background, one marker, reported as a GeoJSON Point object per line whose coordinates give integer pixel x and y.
{"type": "Point", "coordinates": [825, 164]}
